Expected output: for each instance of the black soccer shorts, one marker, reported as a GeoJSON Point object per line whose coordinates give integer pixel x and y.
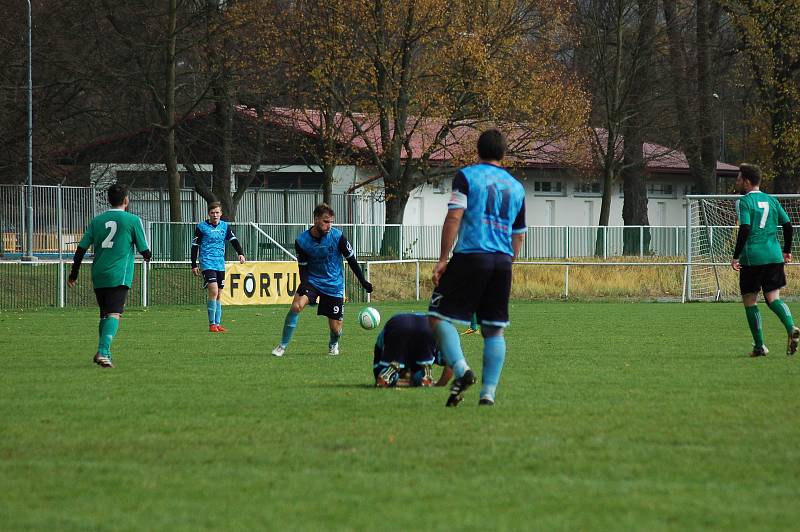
{"type": "Point", "coordinates": [474, 283]}
{"type": "Point", "coordinates": [766, 277]}
{"type": "Point", "coordinates": [214, 276]}
{"type": "Point", "coordinates": [332, 307]}
{"type": "Point", "coordinates": [111, 300]}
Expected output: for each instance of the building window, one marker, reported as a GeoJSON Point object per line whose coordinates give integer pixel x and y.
{"type": "Point", "coordinates": [547, 187]}
{"type": "Point", "coordinates": [588, 187]}
{"type": "Point", "coordinates": [660, 190]}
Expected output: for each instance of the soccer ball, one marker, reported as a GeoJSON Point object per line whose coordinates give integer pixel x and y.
{"type": "Point", "coordinates": [369, 318]}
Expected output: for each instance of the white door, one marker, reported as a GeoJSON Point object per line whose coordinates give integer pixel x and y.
{"type": "Point", "coordinates": [588, 213]}
{"type": "Point", "coordinates": [550, 212]}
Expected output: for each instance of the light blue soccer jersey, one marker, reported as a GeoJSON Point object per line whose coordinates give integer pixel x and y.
{"type": "Point", "coordinates": [494, 204]}
{"type": "Point", "coordinates": [211, 241]}
{"type": "Point", "coordinates": [323, 260]}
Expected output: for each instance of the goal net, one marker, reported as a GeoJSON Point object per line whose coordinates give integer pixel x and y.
{"type": "Point", "coordinates": [712, 226]}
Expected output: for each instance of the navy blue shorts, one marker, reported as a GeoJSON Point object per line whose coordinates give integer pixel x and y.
{"type": "Point", "coordinates": [111, 300]}
{"type": "Point", "coordinates": [474, 283]}
{"type": "Point", "coordinates": [214, 276]}
{"type": "Point", "coordinates": [332, 307]}
{"type": "Point", "coordinates": [767, 277]}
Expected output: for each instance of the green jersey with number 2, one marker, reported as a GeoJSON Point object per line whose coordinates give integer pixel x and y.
{"type": "Point", "coordinates": [763, 214]}
{"type": "Point", "coordinates": [115, 236]}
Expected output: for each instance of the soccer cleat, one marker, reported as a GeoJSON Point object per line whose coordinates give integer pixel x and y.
{"type": "Point", "coordinates": [486, 401]}
{"type": "Point", "coordinates": [104, 361]}
{"type": "Point", "coordinates": [427, 378]}
{"type": "Point", "coordinates": [794, 338]}
{"type": "Point", "coordinates": [759, 351]}
{"type": "Point", "coordinates": [470, 330]}
{"type": "Point", "coordinates": [388, 376]}
{"type": "Point", "coordinates": [279, 351]}
{"type": "Point", "coordinates": [213, 328]}
{"type": "Point", "coordinates": [220, 328]}
{"type": "Point", "coordinates": [333, 350]}
{"type": "Point", "coordinates": [460, 386]}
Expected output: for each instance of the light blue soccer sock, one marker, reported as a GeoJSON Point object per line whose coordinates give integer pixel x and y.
{"type": "Point", "coordinates": [447, 339]}
{"type": "Point", "coordinates": [334, 338]}
{"type": "Point", "coordinates": [218, 313]}
{"type": "Point", "coordinates": [108, 329]}
{"type": "Point", "coordinates": [494, 354]}
{"type": "Point", "coordinates": [211, 305]}
{"type": "Point", "coordinates": [289, 325]}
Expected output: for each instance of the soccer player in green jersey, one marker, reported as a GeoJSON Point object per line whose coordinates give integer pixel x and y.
{"type": "Point", "coordinates": [759, 259]}
{"type": "Point", "coordinates": [113, 235]}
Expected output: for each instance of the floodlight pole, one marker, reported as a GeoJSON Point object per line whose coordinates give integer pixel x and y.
{"type": "Point", "coordinates": [29, 256]}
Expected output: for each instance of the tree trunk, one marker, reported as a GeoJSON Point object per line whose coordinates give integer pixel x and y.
{"type": "Point", "coordinates": [697, 143]}
{"type": "Point", "coordinates": [609, 176]}
{"type": "Point", "coordinates": [634, 206]}
{"type": "Point", "coordinates": [327, 182]}
{"type": "Point", "coordinates": [396, 199]}
{"type": "Point", "coordinates": [178, 237]}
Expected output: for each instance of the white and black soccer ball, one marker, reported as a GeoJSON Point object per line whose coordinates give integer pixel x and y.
{"type": "Point", "coordinates": [369, 318]}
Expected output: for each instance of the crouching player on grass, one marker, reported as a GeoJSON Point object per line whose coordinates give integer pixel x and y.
{"type": "Point", "coordinates": [209, 243]}
{"type": "Point", "coordinates": [320, 251]}
{"type": "Point", "coordinates": [405, 352]}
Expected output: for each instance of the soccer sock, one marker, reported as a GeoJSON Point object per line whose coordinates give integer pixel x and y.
{"type": "Point", "coordinates": [783, 312]}
{"type": "Point", "coordinates": [211, 305]}
{"type": "Point", "coordinates": [754, 321]}
{"type": "Point", "coordinates": [218, 314]}
{"type": "Point", "coordinates": [494, 354]}
{"type": "Point", "coordinates": [474, 323]}
{"type": "Point", "coordinates": [289, 325]}
{"type": "Point", "coordinates": [334, 338]}
{"type": "Point", "coordinates": [447, 338]}
{"type": "Point", "coordinates": [108, 329]}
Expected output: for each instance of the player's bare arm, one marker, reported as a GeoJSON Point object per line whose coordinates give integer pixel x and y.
{"type": "Point", "coordinates": [452, 223]}
{"type": "Point", "coordinates": [516, 243]}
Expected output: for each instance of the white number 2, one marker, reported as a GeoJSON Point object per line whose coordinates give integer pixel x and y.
{"type": "Point", "coordinates": [112, 225]}
{"type": "Point", "coordinates": [764, 206]}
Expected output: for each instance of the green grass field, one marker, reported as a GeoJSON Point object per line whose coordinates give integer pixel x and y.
{"type": "Point", "coordinates": [610, 416]}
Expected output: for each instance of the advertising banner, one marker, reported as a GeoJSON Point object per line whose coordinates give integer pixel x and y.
{"type": "Point", "coordinates": [260, 283]}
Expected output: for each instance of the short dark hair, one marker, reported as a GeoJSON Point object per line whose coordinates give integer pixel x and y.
{"type": "Point", "coordinates": [323, 208]}
{"type": "Point", "coordinates": [751, 172]}
{"type": "Point", "coordinates": [213, 205]}
{"type": "Point", "coordinates": [117, 194]}
{"type": "Point", "coordinates": [492, 145]}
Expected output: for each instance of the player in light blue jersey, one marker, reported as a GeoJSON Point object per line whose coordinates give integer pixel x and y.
{"type": "Point", "coordinates": [209, 243]}
{"type": "Point", "coordinates": [486, 212]}
{"type": "Point", "coordinates": [320, 251]}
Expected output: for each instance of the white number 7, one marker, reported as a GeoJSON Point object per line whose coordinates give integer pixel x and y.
{"type": "Point", "coordinates": [764, 213]}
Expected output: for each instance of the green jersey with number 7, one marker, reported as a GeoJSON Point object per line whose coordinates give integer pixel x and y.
{"type": "Point", "coordinates": [763, 214]}
{"type": "Point", "coordinates": [114, 235]}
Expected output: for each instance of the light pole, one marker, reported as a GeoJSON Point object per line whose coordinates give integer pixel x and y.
{"type": "Point", "coordinates": [722, 127]}
{"type": "Point", "coordinates": [29, 256]}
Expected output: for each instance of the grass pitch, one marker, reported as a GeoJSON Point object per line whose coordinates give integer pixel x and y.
{"type": "Point", "coordinates": [609, 416]}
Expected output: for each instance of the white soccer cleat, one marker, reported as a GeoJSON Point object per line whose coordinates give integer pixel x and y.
{"type": "Point", "coordinates": [333, 350]}
{"type": "Point", "coordinates": [794, 339]}
{"type": "Point", "coordinates": [279, 351]}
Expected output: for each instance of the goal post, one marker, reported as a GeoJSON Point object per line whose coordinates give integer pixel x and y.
{"type": "Point", "coordinates": [711, 230]}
